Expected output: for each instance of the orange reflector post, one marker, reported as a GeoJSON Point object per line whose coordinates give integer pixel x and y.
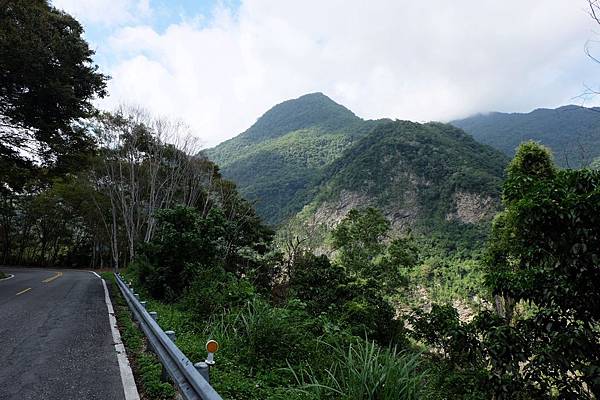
{"type": "Point", "coordinates": [212, 346]}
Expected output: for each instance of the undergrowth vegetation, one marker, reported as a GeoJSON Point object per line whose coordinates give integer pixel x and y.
{"type": "Point", "coordinates": [388, 316]}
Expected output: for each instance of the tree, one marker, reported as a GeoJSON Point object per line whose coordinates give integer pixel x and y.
{"type": "Point", "coordinates": [359, 239]}
{"type": "Point", "coordinates": [146, 164]}
{"type": "Point", "coordinates": [366, 250]}
{"type": "Point", "coordinates": [47, 82]}
{"type": "Point", "coordinates": [545, 252]}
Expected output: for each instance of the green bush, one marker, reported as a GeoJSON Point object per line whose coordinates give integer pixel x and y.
{"type": "Point", "coordinates": [368, 313]}
{"type": "Point", "coordinates": [213, 288]}
{"type": "Point", "coordinates": [354, 302]}
{"type": "Point", "coordinates": [318, 283]}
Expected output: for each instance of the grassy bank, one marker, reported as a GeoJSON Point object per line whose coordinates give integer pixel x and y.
{"type": "Point", "coordinates": [146, 367]}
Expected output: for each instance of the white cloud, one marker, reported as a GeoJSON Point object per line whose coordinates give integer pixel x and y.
{"type": "Point", "coordinates": [384, 58]}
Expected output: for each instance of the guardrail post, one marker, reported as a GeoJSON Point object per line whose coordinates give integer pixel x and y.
{"type": "Point", "coordinates": [137, 296]}
{"type": "Point", "coordinates": [203, 368]}
{"type": "Point", "coordinates": [143, 303]}
{"type": "Point", "coordinates": [164, 373]}
{"type": "Point", "coordinates": [154, 315]}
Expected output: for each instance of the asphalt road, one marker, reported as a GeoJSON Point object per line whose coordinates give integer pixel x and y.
{"type": "Point", "coordinates": [55, 338]}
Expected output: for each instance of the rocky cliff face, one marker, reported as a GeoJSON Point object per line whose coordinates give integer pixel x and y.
{"type": "Point", "coordinates": [471, 208]}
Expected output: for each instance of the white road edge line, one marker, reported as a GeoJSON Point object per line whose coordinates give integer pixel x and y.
{"type": "Point", "coordinates": [7, 278]}
{"type": "Point", "coordinates": [129, 387]}
{"type": "Point", "coordinates": [95, 274]}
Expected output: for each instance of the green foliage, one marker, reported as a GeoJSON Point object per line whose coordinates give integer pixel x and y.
{"type": "Point", "coordinates": [572, 132]}
{"type": "Point", "coordinates": [182, 237]}
{"type": "Point", "coordinates": [212, 288]}
{"type": "Point", "coordinates": [359, 239]}
{"type": "Point", "coordinates": [189, 247]}
{"type": "Point", "coordinates": [274, 335]}
{"type": "Point", "coordinates": [363, 370]}
{"type": "Point", "coordinates": [449, 278]}
{"type": "Point", "coordinates": [532, 160]}
{"type": "Point", "coordinates": [545, 250]}
{"type": "Point", "coordinates": [367, 313]}
{"type": "Point", "coordinates": [543, 257]}
{"type": "Point", "coordinates": [48, 82]}
{"type": "Point", "coordinates": [442, 329]}
{"type": "Point", "coordinates": [318, 283]}
{"type": "Point", "coordinates": [353, 302]}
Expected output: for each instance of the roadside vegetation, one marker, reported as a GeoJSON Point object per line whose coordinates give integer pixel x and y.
{"type": "Point", "coordinates": [294, 324]}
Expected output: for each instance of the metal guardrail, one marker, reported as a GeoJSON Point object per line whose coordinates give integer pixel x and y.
{"type": "Point", "coordinates": [192, 385]}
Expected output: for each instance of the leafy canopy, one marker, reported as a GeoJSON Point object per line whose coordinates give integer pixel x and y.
{"type": "Point", "coordinates": [47, 81]}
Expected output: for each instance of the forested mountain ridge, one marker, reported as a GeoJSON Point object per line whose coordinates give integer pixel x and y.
{"type": "Point", "coordinates": [424, 176]}
{"type": "Point", "coordinates": [431, 177]}
{"type": "Point", "coordinates": [571, 132]}
{"type": "Point", "coordinates": [277, 161]}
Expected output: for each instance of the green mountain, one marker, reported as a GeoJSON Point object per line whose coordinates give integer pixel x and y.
{"type": "Point", "coordinates": [277, 161]}
{"type": "Point", "coordinates": [427, 177]}
{"type": "Point", "coordinates": [572, 132]}
{"type": "Point", "coordinates": [313, 158]}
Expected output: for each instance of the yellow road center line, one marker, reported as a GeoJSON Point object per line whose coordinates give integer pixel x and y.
{"type": "Point", "coordinates": [58, 275]}
{"type": "Point", "coordinates": [23, 291]}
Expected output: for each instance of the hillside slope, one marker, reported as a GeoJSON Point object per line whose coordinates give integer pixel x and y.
{"type": "Point", "coordinates": [572, 132]}
{"type": "Point", "coordinates": [276, 161]}
{"type": "Point", "coordinates": [427, 177]}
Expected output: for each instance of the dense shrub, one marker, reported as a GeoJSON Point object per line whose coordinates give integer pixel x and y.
{"type": "Point", "coordinates": [213, 289]}
{"type": "Point", "coordinates": [354, 302]}
{"type": "Point", "coordinates": [182, 236]}
{"type": "Point", "coordinates": [188, 244]}
{"type": "Point", "coordinates": [318, 283]}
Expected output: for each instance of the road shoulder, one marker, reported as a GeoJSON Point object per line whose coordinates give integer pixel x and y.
{"type": "Point", "coordinates": [129, 386]}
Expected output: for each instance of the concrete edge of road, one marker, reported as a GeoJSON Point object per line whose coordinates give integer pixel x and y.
{"type": "Point", "coordinates": [10, 276]}
{"type": "Point", "coordinates": [129, 386]}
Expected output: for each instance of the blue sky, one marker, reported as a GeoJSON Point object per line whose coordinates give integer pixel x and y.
{"type": "Point", "coordinates": [218, 65]}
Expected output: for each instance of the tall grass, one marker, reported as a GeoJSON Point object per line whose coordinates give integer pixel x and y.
{"type": "Point", "coordinates": [362, 371]}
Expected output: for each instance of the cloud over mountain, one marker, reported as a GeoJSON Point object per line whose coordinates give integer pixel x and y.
{"type": "Point", "coordinates": [435, 60]}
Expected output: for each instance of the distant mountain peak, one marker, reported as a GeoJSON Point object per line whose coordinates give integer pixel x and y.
{"type": "Point", "coordinates": [309, 110]}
